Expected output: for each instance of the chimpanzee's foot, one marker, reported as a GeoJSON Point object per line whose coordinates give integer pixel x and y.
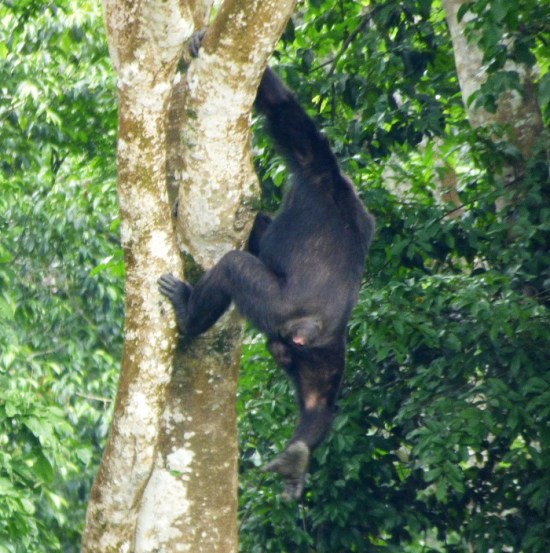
{"type": "Point", "coordinates": [178, 293]}
{"type": "Point", "coordinates": [174, 289]}
{"type": "Point", "coordinates": [291, 464]}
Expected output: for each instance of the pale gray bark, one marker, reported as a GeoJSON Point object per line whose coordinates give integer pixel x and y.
{"type": "Point", "coordinates": [167, 481]}
{"type": "Point", "coordinates": [518, 113]}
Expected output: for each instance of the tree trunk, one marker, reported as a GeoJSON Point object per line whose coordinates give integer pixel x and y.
{"type": "Point", "coordinates": [167, 480]}
{"type": "Point", "coordinates": [519, 112]}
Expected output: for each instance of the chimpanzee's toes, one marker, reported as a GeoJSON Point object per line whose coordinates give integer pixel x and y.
{"type": "Point", "coordinates": [291, 464]}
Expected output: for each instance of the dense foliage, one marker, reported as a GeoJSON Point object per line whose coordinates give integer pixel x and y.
{"type": "Point", "coordinates": [60, 318]}
{"type": "Point", "coordinates": [442, 441]}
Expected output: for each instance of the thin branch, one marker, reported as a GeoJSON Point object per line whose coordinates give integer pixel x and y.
{"type": "Point", "coordinates": [365, 19]}
{"type": "Point", "coordinates": [44, 352]}
{"type": "Point", "coordinates": [104, 400]}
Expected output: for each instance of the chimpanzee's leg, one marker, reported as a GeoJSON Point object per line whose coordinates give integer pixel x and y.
{"type": "Point", "coordinates": [281, 352]}
{"type": "Point", "coordinates": [317, 374]}
{"type": "Point", "coordinates": [239, 276]}
{"type": "Point", "coordinates": [261, 222]}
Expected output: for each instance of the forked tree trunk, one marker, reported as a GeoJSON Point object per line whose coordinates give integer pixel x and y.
{"type": "Point", "coordinates": [167, 480]}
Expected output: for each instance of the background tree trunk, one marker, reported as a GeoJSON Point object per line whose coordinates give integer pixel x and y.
{"type": "Point", "coordinates": [518, 111]}
{"type": "Point", "coordinates": [167, 481]}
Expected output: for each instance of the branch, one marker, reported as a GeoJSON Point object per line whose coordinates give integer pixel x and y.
{"type": "Point", "coordinates": [245, 32]}
{"type": "Point", "coordinates": [104, 400]}
{"type": "Point", "coordinates": [365, 19]}
{"type": "Point", "coordinates": [215, 102]}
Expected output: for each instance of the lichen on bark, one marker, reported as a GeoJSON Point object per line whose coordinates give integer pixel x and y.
{"type": "Point", "coordinates": [167, 481]}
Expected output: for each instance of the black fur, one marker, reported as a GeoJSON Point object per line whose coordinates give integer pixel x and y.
{"type": "Point", "coordinates": [300, 278]}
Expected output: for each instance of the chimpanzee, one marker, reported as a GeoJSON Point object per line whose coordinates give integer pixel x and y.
{"type": "Point", "coordinates": [299, 279]}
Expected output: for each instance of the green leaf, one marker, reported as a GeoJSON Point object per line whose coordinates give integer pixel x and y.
{"type": "Point", "coordinates": [43, 469]}
{"type": "Point", "coordinates": [499, 9]}
{"type": "Point", "coordinates": [544, 90]}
